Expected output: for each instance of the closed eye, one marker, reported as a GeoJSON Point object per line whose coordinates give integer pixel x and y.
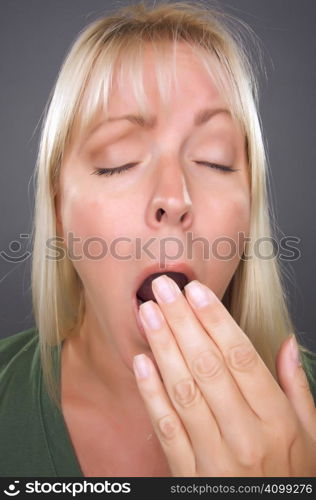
{"type": "Point", "coordinates": [223, 168]}
{"type": "Point", "coordinates": [117, 170]}
{"type": "Point", "coordinates": [111, 171]}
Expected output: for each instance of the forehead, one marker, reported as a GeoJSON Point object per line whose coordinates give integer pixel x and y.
{"type": "Point", "coordinates": [166, 77]}
{"type": "Point", "coordinates": [163, 82]}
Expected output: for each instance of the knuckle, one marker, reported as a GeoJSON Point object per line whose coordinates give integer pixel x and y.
{"type": "Point", "coordinates": [208, 365]}
{"type": "Point", "coordinates": [242, 357]}
{"type": "Point", "coordinates": [186, 393]}
{"type": "Point", "coordinates": [168, 427]}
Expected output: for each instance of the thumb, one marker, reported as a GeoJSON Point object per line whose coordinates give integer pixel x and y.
{"type": "Point", "coordinates": [294, 383]}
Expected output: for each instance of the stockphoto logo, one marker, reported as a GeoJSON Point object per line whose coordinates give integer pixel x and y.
{"type": "Point", "coordinates": [12, 490]}
{"type": "Point", "coordinates": [73, 489]}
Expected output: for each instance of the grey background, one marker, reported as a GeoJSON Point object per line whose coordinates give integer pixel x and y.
{"type": "Point", "coordinates": [34, 38]}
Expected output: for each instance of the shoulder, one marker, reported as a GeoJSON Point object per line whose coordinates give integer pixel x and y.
{"type": "Point", "coordinates": [19, 366]}
{"type": "Point", "coordinates": [9, 346]}
{"type": "Point", "coordinates": [17, 350]}
{"type": "Point", "coordinates": [24, 450]}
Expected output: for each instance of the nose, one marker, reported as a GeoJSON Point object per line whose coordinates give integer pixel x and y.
{"type": "Point", "coordinates": [170, 203]}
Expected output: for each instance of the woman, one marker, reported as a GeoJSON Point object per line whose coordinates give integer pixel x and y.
{"type": "Point", "coordinates": [151, 156]}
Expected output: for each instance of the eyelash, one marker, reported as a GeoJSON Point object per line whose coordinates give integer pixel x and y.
{"type": "Point", "coordinates": [111, 171]}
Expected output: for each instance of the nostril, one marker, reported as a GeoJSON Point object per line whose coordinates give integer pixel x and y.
{"type": "Point", "coordinates": [160, 213]}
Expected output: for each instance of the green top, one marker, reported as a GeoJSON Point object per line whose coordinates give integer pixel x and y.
{"type": "Point", "coordinates": [33, 434]}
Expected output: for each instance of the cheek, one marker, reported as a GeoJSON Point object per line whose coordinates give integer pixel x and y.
{"type": "Point", "coordinates": [228, 220]}
{"type": "Point", "coordinates": [96, 215]}
{"type": "Point", "coordinates": [230, 215]}
{"type": "Point", "coordinates": [97, 232]}
{"type": "Point", "coordinates": [236, 217]}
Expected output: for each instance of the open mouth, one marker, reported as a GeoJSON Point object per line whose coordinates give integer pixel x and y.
{"type": "Point", "coordinates": [145, 292]}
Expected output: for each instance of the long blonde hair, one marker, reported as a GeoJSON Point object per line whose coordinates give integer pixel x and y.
{"type": "Point", "coordinates": [256, 296]}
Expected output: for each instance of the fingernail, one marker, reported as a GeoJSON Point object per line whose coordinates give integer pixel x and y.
{"type": "Point", "coordinates": [151, 316]}
{"type": "Point", "coordinates": [141, 366]}
{"type": "Point", "coordinates": [198, 294]}
{"type": "Point", "coordinates": [166, 289]}
{"type": "Point", "coordinates": [294, 351]}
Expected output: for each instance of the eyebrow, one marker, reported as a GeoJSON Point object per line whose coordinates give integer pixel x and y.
{"type": "Point", "coordinates": [202, 116]}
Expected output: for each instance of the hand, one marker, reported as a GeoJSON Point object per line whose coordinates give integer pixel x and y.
{"type": "Point", "coordinates": [215, 407]}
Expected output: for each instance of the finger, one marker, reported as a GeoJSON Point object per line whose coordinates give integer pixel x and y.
{"type": "Point", "coordinates": [181, 387]}
{"type": "Point", "coordinates": [251, 375]}
{"type": "Point", "coordinates": [207, 365]}
{"type": "Point", "coordinates": [294, 382]}
{"type": "Point", "coordinates": [167, 425]}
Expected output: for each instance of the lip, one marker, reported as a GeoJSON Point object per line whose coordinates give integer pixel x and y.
{"type": "Point", "coordinates": [177, 267]}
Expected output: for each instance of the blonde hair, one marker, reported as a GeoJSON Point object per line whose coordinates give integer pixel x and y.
{"type": "Point", "coordinates": [256, 296]}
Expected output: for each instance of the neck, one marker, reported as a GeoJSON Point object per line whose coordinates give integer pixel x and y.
{"type": "Point", "coordinates": [92, 364]}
